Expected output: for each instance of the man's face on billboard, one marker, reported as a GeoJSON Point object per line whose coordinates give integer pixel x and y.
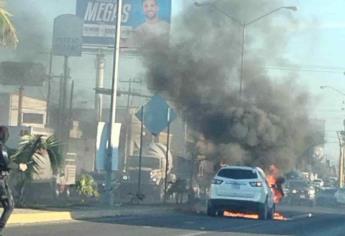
{"type": "Point", "coordinates": [151, 9]}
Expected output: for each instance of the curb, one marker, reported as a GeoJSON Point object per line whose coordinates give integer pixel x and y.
{"type": "Point", "coordinates": [58, 216]}
{"type": "Point", "coordinates": [31, 218]}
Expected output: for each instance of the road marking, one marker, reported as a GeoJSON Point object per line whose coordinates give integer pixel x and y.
{"type": "Point", "coordinates": [194, 234]}
{"type": "Point", "coordinates": [308, 215]}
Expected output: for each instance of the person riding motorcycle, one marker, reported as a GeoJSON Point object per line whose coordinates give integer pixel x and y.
{"type": "Point", "coordinates": [6, 165]}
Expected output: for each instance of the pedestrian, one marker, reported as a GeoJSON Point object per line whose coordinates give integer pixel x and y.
{"type": "Point", "coordinates": [6, 165]}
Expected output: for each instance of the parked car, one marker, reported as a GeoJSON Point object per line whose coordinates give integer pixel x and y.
{"type": "Point", "coordinates": [241, 189]}
{"type": "Point", "coordinates": [331, 182]}
{"type": "Point", "coordinates": [318, 183]}
{"type": "Point", "coordinates": [300, 192]}
{"type": "Point", "coordinates": [326, 197]}
{"type": "Point", "coordinates": [340, 196]}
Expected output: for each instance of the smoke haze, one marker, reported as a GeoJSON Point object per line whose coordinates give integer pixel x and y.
{"type": "Point", "coordinates": [32, 30]}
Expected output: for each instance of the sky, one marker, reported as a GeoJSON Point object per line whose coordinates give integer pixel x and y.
{"type": "Point", "coordinates": [319, 46]}
{"type": "Point", "coordinates": [315, 51]}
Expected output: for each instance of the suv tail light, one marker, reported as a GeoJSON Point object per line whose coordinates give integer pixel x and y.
{"type": "Point", "coordinates": [256, 184]}
{"type": "Point", "coordinates": [217, 181]}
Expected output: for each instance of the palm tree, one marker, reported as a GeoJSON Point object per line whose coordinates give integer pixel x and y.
{"type": "Point", "coordinates": [8, 36]}
{"type": "Point", "coordinates": [34, 150]}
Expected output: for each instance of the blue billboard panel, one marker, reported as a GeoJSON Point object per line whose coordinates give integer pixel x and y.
{"type": "Point", "coordinates": [102, 145]}
{"type": "Point", "coordinates": [140, 18]}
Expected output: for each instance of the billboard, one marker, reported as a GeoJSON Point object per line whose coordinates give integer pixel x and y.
{"type": "Point", "coordinates": [140, 19]}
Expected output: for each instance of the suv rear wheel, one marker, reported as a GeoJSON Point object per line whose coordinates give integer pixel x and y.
{"type": "Point", "coordinates": [263, 211]}
{"type": "Point", "coordinates": [271, 212]}
{"type": "Point", "coordinates": [211, 211]}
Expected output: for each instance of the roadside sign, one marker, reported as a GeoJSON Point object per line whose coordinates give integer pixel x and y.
{"type": "Point", "coordinates": [67, 35]}
{"type": "Point", "coordinates": [157, 115]}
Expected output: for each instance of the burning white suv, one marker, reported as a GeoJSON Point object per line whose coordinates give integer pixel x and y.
{"type": "Point", "coordinates": [241, 189]}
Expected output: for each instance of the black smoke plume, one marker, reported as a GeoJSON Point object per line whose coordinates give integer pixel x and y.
{"type": "Point", "coordinates": [199, 71]}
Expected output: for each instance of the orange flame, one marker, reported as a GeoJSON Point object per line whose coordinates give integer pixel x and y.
{"type": "Point", "coordinates": [277, 216]}
{"type": "Point", "coordinates": [241, 215]}
{"type": "Point", "coordinates": [272, 181]}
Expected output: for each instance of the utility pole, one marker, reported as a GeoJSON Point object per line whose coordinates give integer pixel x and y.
{"type": "Point", "coordinates": [129, 120]}
{"type": "Point", "coordinates": [20, 105]}
{"type": "Point", "coordinates": [50, 76]}
{"type": "Point", "coordinates": [70, 112]}
{"type": "Point", "coordinates": [130, 87]}
{"type": "Point", "coordinates": [167, 158]}
{"type": "Point", "coordinates": [141, 149]}
{"type": "Point", "coordinates": [62, 101]}
{"type": "Point", "coordinates": [64, 89]}
{"type": "Point", "coordinates": [100, 61]}
{"type": "Point", "coordinates": [341, 136]}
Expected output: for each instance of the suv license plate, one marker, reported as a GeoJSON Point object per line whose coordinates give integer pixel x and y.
{"type": "Point", "coordinates": [236, 186]}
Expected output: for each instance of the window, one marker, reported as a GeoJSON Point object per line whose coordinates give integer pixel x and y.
{"type": "Point", "coordinates": [33, 118]}
{"type": "Point", "coordinates": [238, 174]}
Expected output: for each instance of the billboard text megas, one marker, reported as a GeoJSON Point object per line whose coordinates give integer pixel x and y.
{"type": "Point", "coordinates": [140, 18]}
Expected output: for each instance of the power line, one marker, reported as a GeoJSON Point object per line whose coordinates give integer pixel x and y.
{"type": "Point", "coordinates": [307, 68]}
{"type": "Point", "coordinates": [303, 70]}
{"type": "Point", "coordinates": [312, 66]}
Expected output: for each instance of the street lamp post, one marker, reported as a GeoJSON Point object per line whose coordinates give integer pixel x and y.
{"type": "Point", "coordinates": [244, 27]}
{"type": "Point", "coordinates": [340, 135]}
{"type": "Point", "coordinates": [112, 116]}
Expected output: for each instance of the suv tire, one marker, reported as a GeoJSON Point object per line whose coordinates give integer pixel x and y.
{"type": "Point", "coordinates": [210, 209]}
{"type": "Point", "coordinates": [263, 211]}
{"type": "Point", "coordinates": [271, 212]}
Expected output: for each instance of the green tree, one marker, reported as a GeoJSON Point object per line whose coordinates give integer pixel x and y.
{"type": "Point", "coordinates": [33, 149]}
{"type": "Point", "coordinates": [8, 36]}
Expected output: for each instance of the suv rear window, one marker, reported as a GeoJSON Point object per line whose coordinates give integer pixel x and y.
{"type": "Point", "coordinates": [237, 174]}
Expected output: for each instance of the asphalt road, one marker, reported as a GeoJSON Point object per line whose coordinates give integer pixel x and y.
{"type": "Point", "coordinates": [181, 224]}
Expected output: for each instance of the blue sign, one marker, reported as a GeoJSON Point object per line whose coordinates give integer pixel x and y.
{"type": "Point", "coordinates": [100, 19]}
{"type": "Point", "coordinates": [157, 115]}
